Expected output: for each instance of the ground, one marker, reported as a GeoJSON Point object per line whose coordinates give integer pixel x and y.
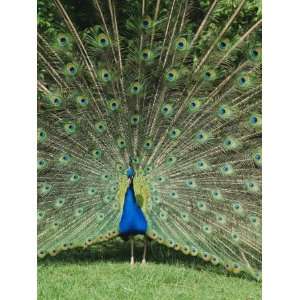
{"type": "Point", "coordinates": [103, 272]}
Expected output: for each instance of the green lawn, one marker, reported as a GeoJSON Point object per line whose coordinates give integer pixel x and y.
{"type": "Point", "coordinates": [103, 272]}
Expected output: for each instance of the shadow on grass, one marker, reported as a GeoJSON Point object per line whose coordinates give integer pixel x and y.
{"type": "Point", "coordinates": [116, 251]}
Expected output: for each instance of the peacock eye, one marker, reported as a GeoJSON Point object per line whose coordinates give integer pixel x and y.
{"type": "Point", "coordinates": [207, 74]}
{"type": "Point", "coordinates": [193, 104]}
{"type": "Point", "coordinates": [200, 136]}
{"type": "Point", "coordinates": [105, 75]}
{"type": "Point", "coordinates": [146, 22]}
{"type": "Point", "coordinates": [222, 45]}
{"type": "Point", "coordinates": [62, 40]}
{"type": "Point", "coordinates": [147, 55]}
{"type": "Point", "coordinates": [257, 156]}
{"type": "Point", "coordinates": [170, 75]}
{"type": "Point", "coordinates": [222, 111]}
{"type": "Point", "coordinates": [255, 53]}
{"type": "Point", "coordinates": [114, 104]}
{"type": "Point", "coordinates": [253, 120]}
{"type": "Point", "coordinates": [135, 88]}
{"type": "Point", "coordinates": [102, 40]}
{"type": "Point", "coordinates": [71, 69]}
{"type": "Point", "coordinates": [180, 44]}
{"type": "Point", "coordinates": [242, 80]}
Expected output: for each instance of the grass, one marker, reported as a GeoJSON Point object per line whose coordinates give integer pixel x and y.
{"type": "Point", "coordinates": [103, 272]}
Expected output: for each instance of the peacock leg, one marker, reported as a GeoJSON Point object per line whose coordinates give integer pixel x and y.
{"type": "Point", "coordinates": [132, 249]}
{"type": "Point", "coordinates": [145, 250]}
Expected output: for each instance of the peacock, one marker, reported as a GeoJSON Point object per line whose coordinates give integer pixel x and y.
{"type": "Point", "coordinates": [133, 221]}
{"type": "Point", "coordinates": [149, 122]}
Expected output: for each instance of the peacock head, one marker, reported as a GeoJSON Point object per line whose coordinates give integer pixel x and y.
{"type": "Point", "coordinates": [130, 174]}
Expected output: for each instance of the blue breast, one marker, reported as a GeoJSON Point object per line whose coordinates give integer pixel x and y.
{"type": "Point", "coordinates": [133, 220]}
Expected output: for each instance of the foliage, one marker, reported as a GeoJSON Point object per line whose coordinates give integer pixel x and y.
{"type": "Point", "coordinates": [45, 15]}
{"type": "Point", "coordinates": [84, 15]}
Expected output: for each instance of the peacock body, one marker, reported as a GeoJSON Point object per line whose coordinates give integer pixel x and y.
{"type": "Point", "coordinates": [174, 88]}
{"type": "Point", "coordinates": [133, 221]}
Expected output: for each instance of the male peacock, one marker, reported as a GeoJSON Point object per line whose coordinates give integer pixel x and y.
{"type": "Point", "coordinates": [133, 221]}
{"type": "Point", "coordinates": [176, 86]}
